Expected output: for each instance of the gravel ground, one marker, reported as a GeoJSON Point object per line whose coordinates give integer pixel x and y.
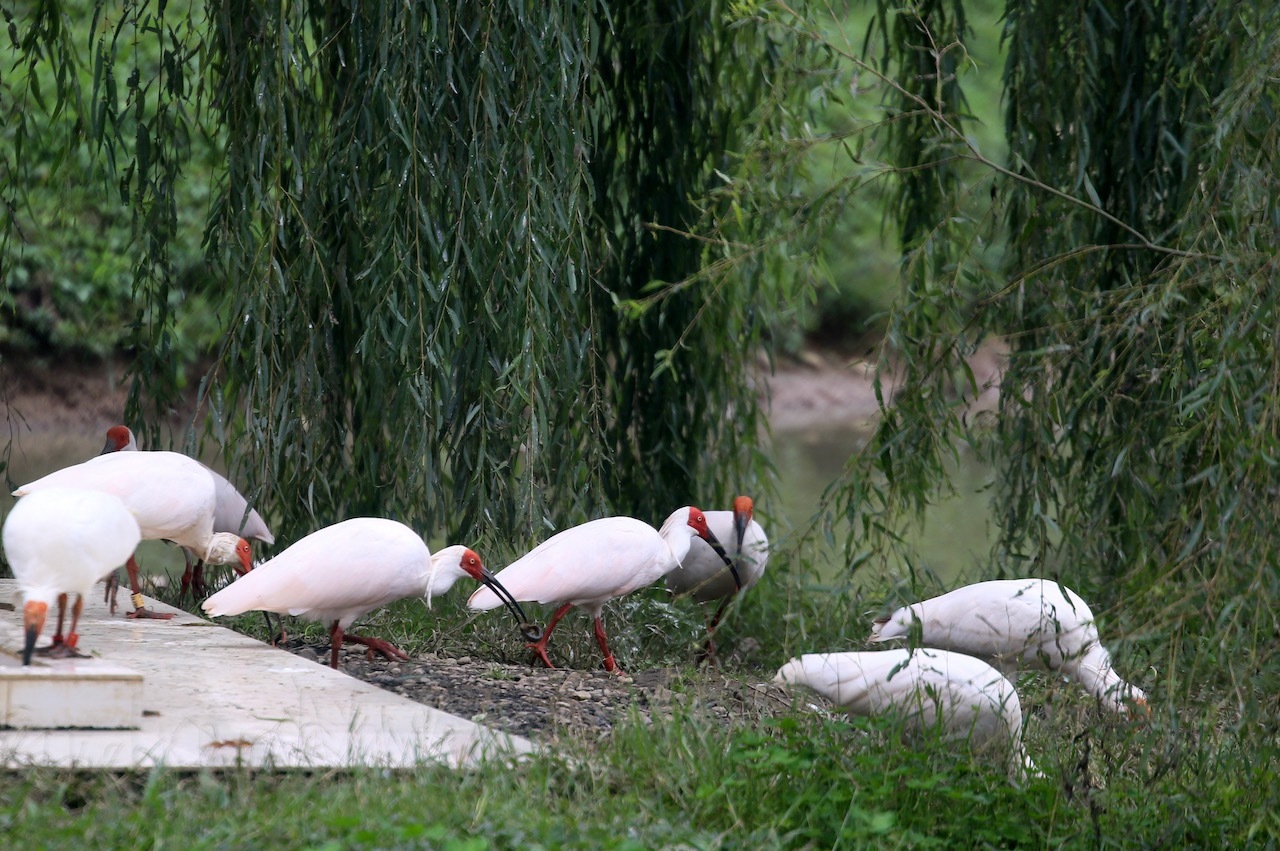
{"type": "Point", "coordinates": [546, 705]}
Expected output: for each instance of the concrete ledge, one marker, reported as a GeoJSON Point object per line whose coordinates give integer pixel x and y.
{"type": "Point", "coordinates": [213, 697]}
{"type": "Point", "coordinates": [60, 693]}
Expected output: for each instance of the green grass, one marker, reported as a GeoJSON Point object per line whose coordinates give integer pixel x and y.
{"type": "Point", "coordinates": [799, 781]}
{"type": "Point", "coordinates": [1199, 773]}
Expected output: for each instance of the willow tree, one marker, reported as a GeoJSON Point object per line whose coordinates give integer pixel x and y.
{"type": "Point", "coordinates": [1126, 253]}
{"type": "Point", "coordinates": [457, 241]}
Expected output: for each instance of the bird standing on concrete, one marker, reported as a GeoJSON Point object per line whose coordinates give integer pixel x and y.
{"type": "Point", "coordinates": [231, 513]}
{"type": "Point", "coordinates": [1019, 624]}
{"type": "Point", "coordinates": [60, 541]}
{"type": "Point", "coordinates": [172, 497]}
{"type": "Point", "coordinates": [961, 697]}
{"type": "Point", "coordinates": [704, 576]}
{"type": "Point", "coordinates": [340, 572]}
{"type": "Point", "coordinates": [590, 564]}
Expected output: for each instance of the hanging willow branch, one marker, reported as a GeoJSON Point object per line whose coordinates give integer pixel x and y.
{"type": "Point", "coordinates": [425, 218]}
{"type": "Point", "coordinates": [1136, 417]}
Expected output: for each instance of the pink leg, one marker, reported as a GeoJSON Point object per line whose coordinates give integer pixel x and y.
{"type": "Point", "coordinates": [540, 646]}
{"type": "Point", "coordinates": [609, 664]}
{"type": "Point", "coordinates": [139, 611]}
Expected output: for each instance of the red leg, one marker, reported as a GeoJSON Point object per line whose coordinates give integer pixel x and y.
{"type": "Point", "coordinates": [708, 653]}
{"type": "Point", "coordinates": [67, 649]}
{"type": "Point", "coordinates": [335, 644]}
{"type": "Point", "coordinates": [337, 636]}
{"type": "Point", "coordinates": [139, 611]}
{"type": "Point", "coordinates": [198, 584]}
{"type": "Point", "coordinates": [377, 645]}
{"type": "Point", "coordinates": [62, 611]}
{"type": "Point", "coordinates": [540, 646]}
{"type": "Point", "coordinates": [186, 574]}
{"type": "Point", "coordinates": [73, 637]}
{"type": "Point", "coordinates": [609, 664]}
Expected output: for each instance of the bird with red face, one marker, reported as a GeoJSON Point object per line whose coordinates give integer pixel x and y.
{"type": "Point", "coordinates": [705, 577]}
{"type": "Point", "coordinates": [58, 542]}
{"type": "Point", "coordinates": [598, 561]}
{"type": "Point", "coordinates": [231, 513]}
{"type": "Point", "coordinates": [172, 497]}
{"type": "Point", "coordinates": [340, 572]}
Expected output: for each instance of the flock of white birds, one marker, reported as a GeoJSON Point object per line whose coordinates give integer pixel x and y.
{"type": "Point", "coordinates": [77, 525]}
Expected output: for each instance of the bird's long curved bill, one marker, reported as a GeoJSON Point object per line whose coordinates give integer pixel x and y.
{"type": "Point", "coordinates": [711, 539]}
{"type": "Point", "coordinates": [508, 599]}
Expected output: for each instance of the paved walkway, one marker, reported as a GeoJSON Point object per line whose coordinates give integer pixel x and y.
{"type": "Point", "coordinates": [213, 697]}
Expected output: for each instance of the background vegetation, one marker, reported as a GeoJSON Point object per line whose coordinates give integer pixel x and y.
{"type": "Point", "coordinates": [651, 195]}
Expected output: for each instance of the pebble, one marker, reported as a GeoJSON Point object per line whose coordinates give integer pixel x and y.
{"type": "Point", "coordinates": [551, 704]}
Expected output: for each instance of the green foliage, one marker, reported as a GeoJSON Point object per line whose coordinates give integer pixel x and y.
{"type": "Point", "coordinates": [432, 231]}
{"type": "Point", "coordinates": [69, 247]}
{"type": "Point", "coordinates": [475, 240]}
{"type": "Point", "coordinates": [800, 780]}
{"type": "Point", "coordinates": [1134, 440]}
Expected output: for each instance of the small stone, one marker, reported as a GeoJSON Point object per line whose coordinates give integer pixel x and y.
{"type": "Point", "coordinates": [581, 695]}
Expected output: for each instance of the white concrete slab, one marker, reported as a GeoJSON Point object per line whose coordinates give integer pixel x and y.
{"type": "Point", "coordinates": [213, 697]}
{"type": "Point", "coordinates": [55, 693]}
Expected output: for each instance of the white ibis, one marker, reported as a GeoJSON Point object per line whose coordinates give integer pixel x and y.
{"type": "Point", "coordinates": [590, 564]}
{"type": "Point", "coordinates": [964, 698]}
{"type": "Point", "coordinates": [58, 542]}
{"type": "Point", "coordinates": [231, 513]}
{"type": "Point", "coordinates": [171, 496]}
{"type": "Point", "coordinates": [705, 577]}
{"type": "Point", "coordinates": [1027, 624]}
{"type": "Point", "coordinates": [340, 572]}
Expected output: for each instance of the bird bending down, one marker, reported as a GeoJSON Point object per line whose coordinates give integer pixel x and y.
{"type": "Point", "coordinates": [590, 564]}
{"type": "Point", "coordinates": [231, 513]}
{"type": "Point", "coordinates": [963, 698]}
{"type": "Point", "coordinates": [340, 572]}
{"type": "Point", "coordinates": [1027, 624]}
{"type": "Point", "coordinates": [58, 542]}
{"type": "Point", "coordinates": [705, 577]}
{"type": "Point", "coordinates": [172, 498]}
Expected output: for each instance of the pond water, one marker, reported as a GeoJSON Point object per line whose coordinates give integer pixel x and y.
{"type": "Point", "coordinates": [955, 534]}
{"type": "Point", "coordinates": [954, 538]}
{"type": "Point", "coordinates": [36, 454]}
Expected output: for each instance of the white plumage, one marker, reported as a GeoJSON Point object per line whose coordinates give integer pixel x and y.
{"type": "Point", "coordinates": [60, 541]}
{"type": "Point", "coordinates": [231, 511]}
{"type": "Point", "coordinates": [340, 572]}
{"type": "Point", "coordinates": [964, 698]}
{"type": "Point", "coordinates": [704, 576]}
{"type": "Point", "coordinates": [171, 496]}
{"type": "Point", "coordinates": [1018, 624]}
{"type": "Point", "coordinates": [590, 564]}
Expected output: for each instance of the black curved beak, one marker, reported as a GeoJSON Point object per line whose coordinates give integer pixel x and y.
{"type": "Point", "coordinates": [710, 538]}
{"type": "Point", "coordinates": [740, 523]}
{"type": "Point", "coordinates": [109, 446]}
{"type": "Point", "coordinates": [528, 629]}
{"type": "Point", "coordinates": [29, 643]}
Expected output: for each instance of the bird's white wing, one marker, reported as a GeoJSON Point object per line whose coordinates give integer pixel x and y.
{"type": "Point", "coordinates": [595, 561]}
{"type": "Point", "coordinates": [351, 567]}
